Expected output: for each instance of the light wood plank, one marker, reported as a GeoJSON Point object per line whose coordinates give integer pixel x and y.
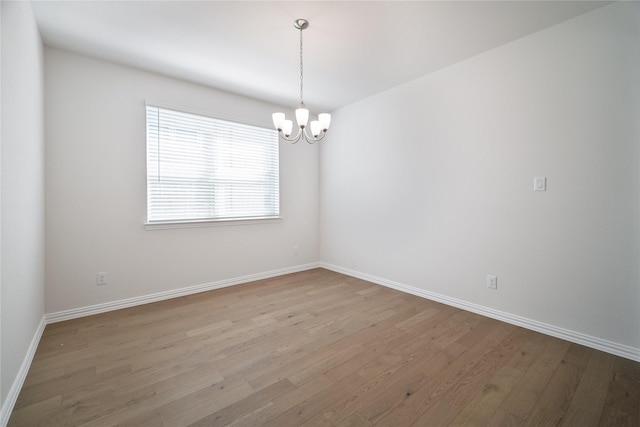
{"type": "Point", "coordinates": [623, 395]}
{"type": "Point", "coordinates": [486, 403]}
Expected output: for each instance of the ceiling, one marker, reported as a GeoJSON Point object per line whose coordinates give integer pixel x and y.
{"type": "Point", "coordinates": [352, 50]}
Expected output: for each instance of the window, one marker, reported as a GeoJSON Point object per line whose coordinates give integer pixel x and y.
{"type": "Point", "coordinates": [205, 169]}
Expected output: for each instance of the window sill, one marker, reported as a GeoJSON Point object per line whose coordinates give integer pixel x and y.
{"type": "Point", "coordinates": [166, 225]}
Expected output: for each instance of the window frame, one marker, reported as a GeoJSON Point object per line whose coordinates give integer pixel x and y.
{"type": "Point", "coordinates": [205, 222]}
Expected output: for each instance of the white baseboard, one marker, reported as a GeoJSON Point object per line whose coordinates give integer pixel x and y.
{"type": "Point", "coordinates": [14, 391]}
{"type": "Point", "coordinates": [175, 293]}
{"type": "Point", "coordinates": [555, 331]}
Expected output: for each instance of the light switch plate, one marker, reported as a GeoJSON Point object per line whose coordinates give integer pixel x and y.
{"type": "Point", "coordinates": [540, 183]}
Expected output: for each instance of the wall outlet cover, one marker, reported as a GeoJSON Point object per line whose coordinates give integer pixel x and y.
{"type": "Point", "coordinates": [540, 183]}
{"type": "Point", "coordinates": [101, 279]}
{"type": "Point", "coordinates": [492, 282]}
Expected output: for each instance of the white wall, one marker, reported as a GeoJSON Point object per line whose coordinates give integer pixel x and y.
{"type": "Point", "coordinates": [22, 190]}
{"type": "Point", "coordinates": [96, 191]}
{"type": "Point", "coordinates": [438, 192]}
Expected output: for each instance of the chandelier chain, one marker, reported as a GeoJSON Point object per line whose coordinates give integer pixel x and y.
{"type": "Point", "coordinates": [301, 74]}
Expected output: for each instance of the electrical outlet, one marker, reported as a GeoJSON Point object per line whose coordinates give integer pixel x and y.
{"type": "Point", "coordinates": [540, 183]}
{"type": "Point", "coordinates": [295, 249]}
{"type": "Point", "coordinates": [101, 279]}
{"type": "Point", "coordinates": [492, 282]}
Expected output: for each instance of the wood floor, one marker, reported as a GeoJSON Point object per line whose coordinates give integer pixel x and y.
{"type": "Point", "coordinates": [317, 348]}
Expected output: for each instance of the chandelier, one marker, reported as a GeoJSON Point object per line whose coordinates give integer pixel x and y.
{"type": "Point", "coordinates": [318, 127]}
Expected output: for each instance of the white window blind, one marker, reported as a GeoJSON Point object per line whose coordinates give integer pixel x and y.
{"type": "Point", "coordinates": [200, 168]}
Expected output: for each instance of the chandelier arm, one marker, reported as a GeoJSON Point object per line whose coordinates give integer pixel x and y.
{"type": "Point", "coordinates": [289, 139]}
{"type": "Point", "coordinates": [311, 139]}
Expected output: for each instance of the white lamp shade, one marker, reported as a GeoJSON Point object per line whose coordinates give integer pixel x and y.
{"type": "Point", "coordinates": [278, 120]}
{"type": "Point", "coordinates": [302, 116]}
{"type": "Point", "coordinates": [287, 127]}
{"type": "Point", "coordinates": [325, 120]}
{"type": "Point", "coordinates": [315, 128]}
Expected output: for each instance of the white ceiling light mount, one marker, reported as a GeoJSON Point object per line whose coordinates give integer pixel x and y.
{"type": "Point", "coordinates": [318, 127]}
